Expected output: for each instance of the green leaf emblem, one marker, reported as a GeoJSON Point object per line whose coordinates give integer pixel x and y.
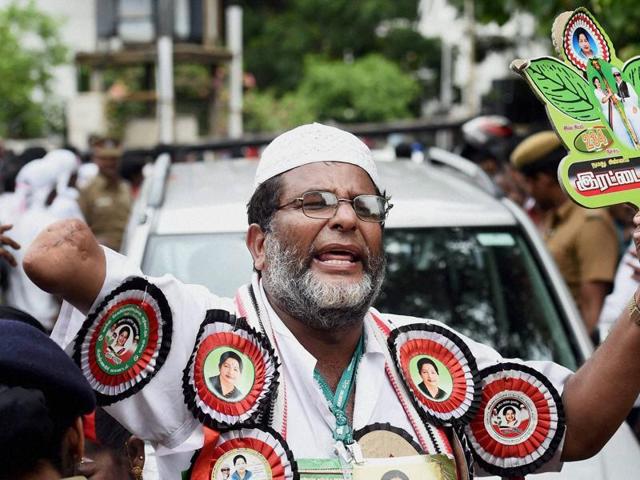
{"type": "Point", "coordinates": [563, 88]}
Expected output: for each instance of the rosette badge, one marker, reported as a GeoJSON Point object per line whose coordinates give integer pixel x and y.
{"type": "Point", "coordinates": [438, 368]}
{"type": "Point", "coordinates": [520, 422]}
{"type": "Point", "coordinates": [125, 341]}
{"type": "Point", "coordinates": [244, 453]}
{"type": "Point", "coordinates": [232, 373]}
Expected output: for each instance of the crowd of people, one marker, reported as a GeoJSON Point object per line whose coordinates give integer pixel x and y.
{"type": "Point", "coordinates": [316, 222]}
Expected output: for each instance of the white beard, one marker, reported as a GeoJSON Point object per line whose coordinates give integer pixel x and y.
{"type": "Point", "coordinates": [317, 304]}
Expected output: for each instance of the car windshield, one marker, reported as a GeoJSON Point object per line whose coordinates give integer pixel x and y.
{"type": "Point", "coordinates": [483, 282]}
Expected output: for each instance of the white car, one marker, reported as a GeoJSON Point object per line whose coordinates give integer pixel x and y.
{"type": "Point", "coordinates": [457, 251]}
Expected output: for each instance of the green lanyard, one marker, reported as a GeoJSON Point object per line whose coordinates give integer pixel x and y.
{"type": "Point", "coordinates": [338, 401]}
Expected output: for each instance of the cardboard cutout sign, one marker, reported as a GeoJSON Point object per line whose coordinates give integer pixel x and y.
{"type": "Point", "coordinates": [591, 98]}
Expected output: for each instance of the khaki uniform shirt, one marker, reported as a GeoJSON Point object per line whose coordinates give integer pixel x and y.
{"type": "Point", "coordinates": [583, 243]}
{"type": "Point", "coordinates": [106, 209]}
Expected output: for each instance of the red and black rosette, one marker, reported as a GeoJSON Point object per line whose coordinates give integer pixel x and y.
{"type": "Point", "coordinates": [263, 452]}
{"type": "Point", "coordinates": [439, 370]}
{"type": "Point", "coordinates": [232, 374]}
{"type": "Point", "coordinates": [520, 422]}
{"type": "Point", "coordinates": [125, 341]}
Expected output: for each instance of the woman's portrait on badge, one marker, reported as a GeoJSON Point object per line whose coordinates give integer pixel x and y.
{"type": "Point", "coordinates": [584, 44]}
{"type": "Point", "coordinates": [121, 343]}
{"type": "Point", "coordinates": [431, 377]}
{"type": "Point", "coordinates": [242, 464]}
{"type": "Point", "coordinates": [229, 374]}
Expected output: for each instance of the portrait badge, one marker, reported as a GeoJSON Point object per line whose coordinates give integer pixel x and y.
{"type": "Point", "coordinates": [125, 341]}
{"type": "Point", "coordinates": [520, 422]}
{"type": "Point", "coordinates": [439, 370]}
{"type": "Point", "coordinates": [231, 375]}
{"type": "Point", "coordinates": [581, 40]}
{"type": "Point", "coordinates": [248, 453]}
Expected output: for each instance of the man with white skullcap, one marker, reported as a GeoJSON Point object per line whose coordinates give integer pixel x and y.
{"type": "Point", "coordinates": [321, 381]}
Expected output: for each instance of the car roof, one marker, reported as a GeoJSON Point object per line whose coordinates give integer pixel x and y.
{"type": "Point", "coordinates": [212, 196]}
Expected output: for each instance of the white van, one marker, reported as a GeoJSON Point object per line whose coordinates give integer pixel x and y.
{"type": "Point", "coordinates": [457, 251]}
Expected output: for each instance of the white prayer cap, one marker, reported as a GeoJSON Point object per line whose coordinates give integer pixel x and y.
{"type": "Point", "coordinates": [310, 144]}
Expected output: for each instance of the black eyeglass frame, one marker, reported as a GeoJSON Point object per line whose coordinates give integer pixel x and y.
{"type": "Point", "coordinates": [387, 205]}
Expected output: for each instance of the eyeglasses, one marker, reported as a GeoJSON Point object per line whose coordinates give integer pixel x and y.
{"type": "Point", "coordinates": [323, 205]}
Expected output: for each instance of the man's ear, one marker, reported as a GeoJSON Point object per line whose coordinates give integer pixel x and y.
{"type": "Point", "coordinates": [255, 243]}
{"type": "Point", "coordinates": [73, 441]}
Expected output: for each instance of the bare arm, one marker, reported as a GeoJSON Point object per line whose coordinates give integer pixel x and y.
{"type": "Point", "coordinates": [66, 260]}
{"type": "Point", "coordinates": [601, 393]}
{"type": "Point", "coordinates": [592, 295]}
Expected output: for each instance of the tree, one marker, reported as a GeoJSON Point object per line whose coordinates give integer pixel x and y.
{"type": "Point", "coordinates": [279, 34]}
{"type": "Point", "coordinates": [30, 47]}
{"type": "Point", "coordinates": [371, 89]}
{"type": "Point", "coordinates": [619, 18]}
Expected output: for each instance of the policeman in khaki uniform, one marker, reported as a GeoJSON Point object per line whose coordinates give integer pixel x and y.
{"type": "Point", "coordinates": [583, 242]}
{"type": "Point", "coordinates": [106, 201]}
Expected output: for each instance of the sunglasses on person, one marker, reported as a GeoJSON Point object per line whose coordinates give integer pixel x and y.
{"type": "Point", "coordinates": [324, 205]}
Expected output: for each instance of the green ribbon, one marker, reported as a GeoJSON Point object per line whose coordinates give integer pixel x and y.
{"type": "Point", "coordinates": [338, 400]}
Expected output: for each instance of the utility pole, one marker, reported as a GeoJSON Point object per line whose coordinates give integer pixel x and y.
{"type": "Point", "coordinates": [470, 93]}
{"type": "Point", "coordinates": [164, 73]}
{"type": "Point", "coordinates": [234, 44]}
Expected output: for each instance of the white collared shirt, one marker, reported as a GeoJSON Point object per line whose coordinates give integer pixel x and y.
{"type": "Point", "coordinates": [158, 413]}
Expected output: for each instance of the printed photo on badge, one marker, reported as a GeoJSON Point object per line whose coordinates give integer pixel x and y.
{"type": "Point", "coordinates": [241, 464]}
{"type": "Point", "coordinates": [431, 377]}
{"type": "Point", "coordinates": [121, 341]}
{"type": "Point", "coordinates": [229, 374]}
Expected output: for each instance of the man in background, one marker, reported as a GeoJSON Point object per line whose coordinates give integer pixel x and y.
{"type": "Point", "coordinates": [106, 201]}
{"type": "Point", "coordinates": [583, 242]}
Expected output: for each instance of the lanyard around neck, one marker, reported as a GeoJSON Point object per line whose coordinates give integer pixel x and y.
{"type": "Point", "coordinates": [338, 400]}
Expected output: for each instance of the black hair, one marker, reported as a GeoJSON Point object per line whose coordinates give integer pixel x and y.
{"type": "Point", "coordinates": [509, 408]}
{"type": "Point", "coordinates": [581, 31]}
{"type": "Point", "coordinates": [126, 328]}
{"type": "Point", "coordinates": [35, 431]}
{"type": "Point", "coordinates": [391, 474]}
{"type": "Point", "coordinates": [110, 437]}
{"type": "Point", "coordinates": [227, 355]}
{"type": "Point", "coordinates": [424, 361]}
{"type": "Point", "coordinates": [264, 202]}
{"type": "Point", "coordinates": [238, 457]}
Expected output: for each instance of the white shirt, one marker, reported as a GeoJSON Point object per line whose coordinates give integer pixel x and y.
{"type": "Point", "coordinates": [157, 413]}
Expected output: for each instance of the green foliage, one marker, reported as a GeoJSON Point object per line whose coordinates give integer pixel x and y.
{"type": "Point", "coordinates": [619, 18]}
{"type": "Point", "coordinates": [263, 112]}
{"type": "Point", "coordinates": [279, 34]}
{"type": "Point", "coordinates": [30, 46]}
{"type": "Point", "coordinates": [368, 90]}
{"type": "Point", "coordinates": [563, 88]}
